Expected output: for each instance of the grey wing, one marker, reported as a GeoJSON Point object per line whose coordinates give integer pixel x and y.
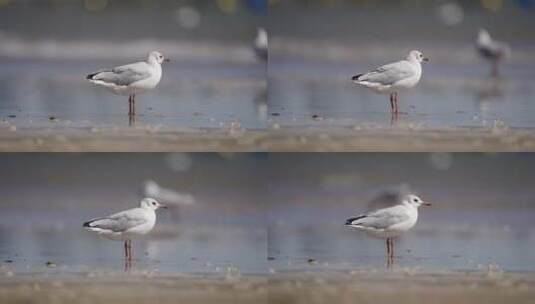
{"type": "Point", "coordinates": [118, 222]}
{"type": "Point", "coordinates": [389, 73]}
{"type": "Point", "coordinates": [383, 218]}
{"type": "Point", "coordinates": [123, 75]}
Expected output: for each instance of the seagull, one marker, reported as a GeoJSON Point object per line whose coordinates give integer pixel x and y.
{"type": "Point", "coordinates": [261, 44]}
{"type": "Point", "coordinates": [131, 79]}
{"type": "Point", "coordinates": [393, 77]}
{"type": "Point", "coordinates": [389, 223]}
{"type": "Point", "coordinates": [492, 50]}
{"type": "Point", "coordinates": [127, 224]}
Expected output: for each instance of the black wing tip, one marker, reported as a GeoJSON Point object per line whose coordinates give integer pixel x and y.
{"type": "Point", "coordinates": [90, 76]}
{"type": "Point", "coordinates": [356, 77]}
{"type": "Point", "coordinates": [350, 221]}
{"type": "Point", "coordinates": [87, 224]}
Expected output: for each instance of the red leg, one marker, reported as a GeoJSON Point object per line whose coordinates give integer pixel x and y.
{"type": "Point", "coordinates": [126, 264]}
{"type": "Point", "coordinates": [134, 104]}
{"type": "Point", "coordinates": [389, 252]}
{"type": "Point", "coordinates": [396, 101]}
{"type": "Point", "coordinates": [392, 249]}
{"type": "Point", "coordinates": [126, 250]}
{"type": "Point", "coordinates": [130, 250]}
{"type": "Point", "coordinates": [130, 105]}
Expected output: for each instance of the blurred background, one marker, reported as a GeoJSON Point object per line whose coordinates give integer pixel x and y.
{"type": "Point", "coordinates": [214, 78]}
{"type": "Point", "coordinates": [314, 56]}
{"type": "Point", "coordinates": [218, 228]}
{"type": "Point", "coordinates": [252, 213]}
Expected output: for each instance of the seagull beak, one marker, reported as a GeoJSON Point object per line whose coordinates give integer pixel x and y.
{"type": "Point", "coordinates": [163, 206]}
{"type": "Point", "coordinates": [426, 204]}
{"type": "Point", "coordinates": [166, 60]}
{"type": "Point", "coordinates": [425, 59]}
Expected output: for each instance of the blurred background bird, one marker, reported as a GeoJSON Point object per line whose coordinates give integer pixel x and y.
{"type": "Point", "coordinates": [387, 196]}
{"type": "Point", "coordinates": [492, 50]}
{"type": "Point", "coordinates": [261, 44]}
{"type": "Point", "coordinates": [172, 198]}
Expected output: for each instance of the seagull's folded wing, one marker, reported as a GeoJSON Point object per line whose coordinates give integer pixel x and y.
{"type": "Point", "coordinates": [383, 218]}
{"type": "Point", "coordinates": [119, 222]}
{"type": "Point", "coordinates": [124, 75]}
{"type": "Point", "coordinates": [389, 73]}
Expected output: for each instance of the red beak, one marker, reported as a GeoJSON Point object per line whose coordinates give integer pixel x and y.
{"type": "Point", "coordinates": [426, 204]}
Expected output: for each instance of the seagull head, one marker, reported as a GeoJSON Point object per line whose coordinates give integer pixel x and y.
{"type": "Point", "coordinates": [418, 56]}
{"type": "Point", "coordinates": [157, 57]}
{"type": "Point", "coordinates": [150, 203]}
{"type": "Point", "coordinates": [414, 201]}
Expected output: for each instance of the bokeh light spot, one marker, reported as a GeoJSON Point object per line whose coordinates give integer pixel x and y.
{"type": "Point", "coordinates": [451, 13]}
{"type": "Point", "coordinates": [227, 6]}
{"type": "Point", "coordinates": [441, 161]}
{"type": "Point", "coordinates": [4, 3]}
{"type": "Point", "coordinates": [493, 5]}
{"type": "Point", "coordinates": [188, 17]}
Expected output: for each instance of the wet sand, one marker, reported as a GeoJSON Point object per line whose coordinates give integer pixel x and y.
{"type": "Point", "coordinates": [377, 286]}
{"type": "Point", "coordinates": [236, 139]}
{"type": "Point", "coordinates": [138, 139]}
{"type": "Point", "coordinates": [132, 288]}
{"type": "Point", "coordinates": [401, 286]}
{"type": "Point", "coordinates": [406, 139]}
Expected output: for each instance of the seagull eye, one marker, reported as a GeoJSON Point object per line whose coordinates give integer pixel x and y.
{"type": "Point", "coordinates": [153, 203]}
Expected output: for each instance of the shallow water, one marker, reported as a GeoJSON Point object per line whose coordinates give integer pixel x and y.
{"type": "Point", "coordinates": [262, 213]}
{"type": "Point", "coordinates": [430, 246]}
{"type": "Point", "coordinates": [312, 62]}
{"type": "Point", "coordinates": [54, 94]}
{"type": "Point", "coordinates": [320, 93]}
{"type": "Point", "coordinates": [44, 208]}
{"type": "Point", "coordinates": [482, 214]}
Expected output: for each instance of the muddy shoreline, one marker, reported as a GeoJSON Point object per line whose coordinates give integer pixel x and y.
{"type": "Point", "coordinates": [147, 139]}
{"type": "Point", "coordinates": [366, 286]}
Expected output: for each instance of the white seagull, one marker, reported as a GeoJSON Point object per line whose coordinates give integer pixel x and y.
{"type": "Point", "coordinates": [389, 223]}
{"type": "Point", "coordinates": [131, 79]}
{"type": "Point", "coordinates": [492, 50]}
{"type": "Point", "coordinates": [261, 44]}
{"type": "Point", "coordinates": [127, 225]}
{"type": "Point", "coordinates": [393, 77]}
